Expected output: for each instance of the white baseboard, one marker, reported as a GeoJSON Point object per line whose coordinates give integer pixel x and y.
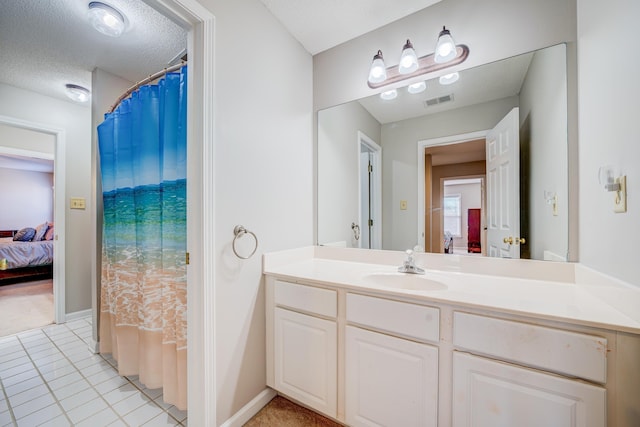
{"type": "Point", "coordinates": [250, 409]}
{"type": "Point", "coordinates": [77, 315]}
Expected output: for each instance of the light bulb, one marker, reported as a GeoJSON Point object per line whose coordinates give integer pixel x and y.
{"type": "Point", "coordinates": [417, 88]}
{"type": "Point", "coordinates": [389, 95]}
{"type": "Point", "coordinates": [408, 59]}
{"type": "Point", "coordinates": [378, 71]}
{"type": "Point", "coordinates": [447, 79]}
{"type": "Point", "coordinates": [445, 47]}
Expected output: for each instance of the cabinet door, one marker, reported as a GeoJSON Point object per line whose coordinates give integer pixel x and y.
{"type": "Point", "coordinates": [389, 381]}
{"type": "Point", "coordinates": [305, 356]}
{"type": "Point", "coordinates": [489, 393]}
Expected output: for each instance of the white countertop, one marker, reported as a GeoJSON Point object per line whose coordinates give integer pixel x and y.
{"type": "Point", "coordinates": [595, 303]}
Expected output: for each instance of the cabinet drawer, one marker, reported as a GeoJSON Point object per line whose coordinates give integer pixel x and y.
{"type": "Point", "coordinates": [399, 318]}
{"type": "Point", "coordinates": [564, 352]}
{"type": "Point", "coordinates": [306, 298]}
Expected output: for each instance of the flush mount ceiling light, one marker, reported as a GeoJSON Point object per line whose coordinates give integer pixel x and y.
{"type": "Point", "coordinates": [389, 95]}
{"type": "Point", "coordinates": [447, 79]}
{"type": "Point", "coordinates": [106, 19]}
{"type": "Point", "coordinates": [78, 93]}
{"type": "Point", "coordinates": [417, 88]}
{"type": "Point", "coordinates": [447, 55]}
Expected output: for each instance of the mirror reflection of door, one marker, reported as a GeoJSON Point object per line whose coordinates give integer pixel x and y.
{"type": "Point", "coordinates": [370, 193]}
{"type": "Point", "coordinates": [503, 188]}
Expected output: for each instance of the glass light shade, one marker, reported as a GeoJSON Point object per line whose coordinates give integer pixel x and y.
{"type": "Point", "coordinates": [417, 88]}
{"type": "Point", "coordinates": [447, 79]}
{"type": "Point", "coordinates": [445, 47]}
{"type": "Point", "coordinates": [378, 71]}
{"type": "Point", "coordinates": [78, 93]}
{"type": "Point", "coordinates": [408, 59]}
{"type": "Point", "coordinates": [389, 95]}
{"type": "Point", "coordinates": [106, 19]}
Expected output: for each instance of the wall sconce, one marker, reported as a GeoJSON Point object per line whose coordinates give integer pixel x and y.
{"type": "Point", "coordinates": [447, 54]}
{"type": "Point", "coordinates": [614, 182]}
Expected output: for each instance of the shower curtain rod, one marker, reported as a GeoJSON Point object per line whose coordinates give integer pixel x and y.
{"type": "Point", "coordinates": [149, 79]}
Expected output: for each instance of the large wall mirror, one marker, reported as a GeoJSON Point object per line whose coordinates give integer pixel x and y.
{"type": "Point", "coordinates": [475, 167]}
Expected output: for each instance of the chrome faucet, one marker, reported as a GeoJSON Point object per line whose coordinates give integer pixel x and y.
{"type": "Point", "coordinates": [409, 265]}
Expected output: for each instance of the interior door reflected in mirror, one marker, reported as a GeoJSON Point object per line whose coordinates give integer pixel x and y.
{"type": "Point", "coordinates": [430, 146]}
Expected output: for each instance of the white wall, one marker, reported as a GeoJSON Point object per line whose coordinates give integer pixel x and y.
{"type": "Point", "coordinates": [543, 103]}
{"type": "Point", "coordinates": [608, 94]}
{"type": "Point", "coordinates": [400, 166]}
{"type": "Point", "coordinates": [338, 158]}
{"type": "Point", "coordinates": [493, 29]}
{"type": "Point", "coordinates": [75, 120]}
{"type": "Point", "coordinates": [264, 179]}
{"type": "Point", "coordinates": [26, 198]}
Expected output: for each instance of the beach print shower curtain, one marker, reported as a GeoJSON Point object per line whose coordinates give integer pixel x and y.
{"type": "Point", "coordinates": [143, 319]}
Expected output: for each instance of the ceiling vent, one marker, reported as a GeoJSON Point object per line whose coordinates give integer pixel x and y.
{"type": "Point", "coordinates": [439, 100]}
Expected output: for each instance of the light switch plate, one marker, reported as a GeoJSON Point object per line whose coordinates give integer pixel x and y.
{"type": "Point", "coordinates": [620, 200]}
{"type": "Point", "coordinates": [403, 205]}
{"type": "Point", "coordinates": [78, 203]}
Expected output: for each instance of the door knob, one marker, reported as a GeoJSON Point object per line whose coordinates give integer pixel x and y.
{"type": "Point", "coordinates": [508, 240]}
{"type": "Point", "coordinates": [520, 240]}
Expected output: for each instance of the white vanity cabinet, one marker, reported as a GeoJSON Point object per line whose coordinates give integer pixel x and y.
{"type": "Point", "coordinates": [390, 380]}
{"type": "Point", "coordinates": [489, 392]}
{"type": "Point", "coordinates": [305, 345]}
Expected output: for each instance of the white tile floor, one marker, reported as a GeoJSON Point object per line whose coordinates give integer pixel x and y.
{"type": "Point", "coordinates": [49, 377]}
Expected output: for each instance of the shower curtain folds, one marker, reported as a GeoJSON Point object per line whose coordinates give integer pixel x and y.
{"type": "Point", "coordinates": [143, 319]}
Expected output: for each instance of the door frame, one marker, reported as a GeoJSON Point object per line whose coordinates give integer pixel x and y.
{"type": "Point", "coordinates": [433, 142]}
{"type": "Point", "coordinates": [59, 204]}
{"type": "Point", "coordinates": [376, 199]}
{"type": "Point", "coordinates": [482, 179]}
{"type": "Point", "coordinates": [201, 125]}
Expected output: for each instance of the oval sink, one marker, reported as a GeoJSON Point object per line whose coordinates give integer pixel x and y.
{"type": "Point", "coordinates": [413, 282]}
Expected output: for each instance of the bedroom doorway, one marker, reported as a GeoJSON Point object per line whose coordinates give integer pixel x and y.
{"type": "Point", "coordinates": [55, 155]}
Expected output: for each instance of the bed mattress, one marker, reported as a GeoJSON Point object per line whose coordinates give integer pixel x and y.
{"type": "Point", "coordinates": [25, 254]}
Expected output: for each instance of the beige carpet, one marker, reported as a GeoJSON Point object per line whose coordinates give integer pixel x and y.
{"type": "Point", "coordinates": [25, 306]}
{"type": "Point", "coordinates": [281, 412]}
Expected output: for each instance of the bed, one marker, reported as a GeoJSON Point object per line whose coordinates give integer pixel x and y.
{"type": "Point", "coordinates": [24, 261]}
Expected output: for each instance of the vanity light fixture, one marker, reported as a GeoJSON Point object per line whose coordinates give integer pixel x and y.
{"type": "Point", "coordinates": [408, 59]}
{"type": "Point", "coordinates": [378, 71]}
{"type": "Point", "coordinates": [417, 87]}
{"type": "Point", "coordinates": [445, 47]}
{"type": "Point", "coordinates": [389, 95]}
{"type": "Point", "coordinates": [447, 54]}
{"type": "Point", "coordinates": [450, 78]}
{"type": "Point", "coordinates": [106, 19]}
{"type": "Point", "coordinates": [78, 93]}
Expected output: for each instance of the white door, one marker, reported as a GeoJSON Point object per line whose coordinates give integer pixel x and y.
{"type": "Point", "coordinates": [305, 354]}
{"type": "Point", "coordinates": [503, 188]}
{"type": "Point", "coordinates": [490, 393]}
{"type": "Point", "coordinates": [389, 381]}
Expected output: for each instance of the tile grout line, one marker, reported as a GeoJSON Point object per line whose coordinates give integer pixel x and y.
{"type": "Point", "coordinates": [10, 408]}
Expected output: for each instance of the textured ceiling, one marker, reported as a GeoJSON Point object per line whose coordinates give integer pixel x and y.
{"type": "Point", "coordinates": [45, 44]}
{"type": "Point", "coordinates": [323, 24]}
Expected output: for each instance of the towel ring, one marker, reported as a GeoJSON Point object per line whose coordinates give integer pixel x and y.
{"type": "Point", "coordinates": [240, 231]}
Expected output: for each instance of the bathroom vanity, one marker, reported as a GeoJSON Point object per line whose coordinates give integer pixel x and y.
{"type": "Point", "coordinates": [471, 342]}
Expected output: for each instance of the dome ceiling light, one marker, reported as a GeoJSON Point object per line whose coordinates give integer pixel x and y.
{"type": "Point", "coordinates": [106, 19]}
{"type": "Point", "coordinates": [78, 93]}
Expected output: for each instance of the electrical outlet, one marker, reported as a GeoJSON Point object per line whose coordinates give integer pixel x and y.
{"type": "Point", "coordinates": [620, 201]}
{"type": "Point", "coordinates": [78, 203]}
